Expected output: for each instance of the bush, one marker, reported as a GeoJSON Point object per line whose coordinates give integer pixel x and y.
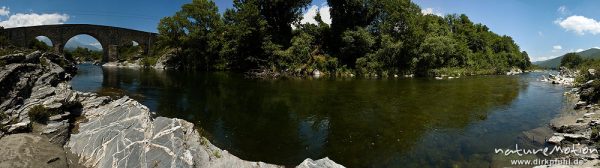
{"type": "Point", "coordinates": [571, 60]}
{"type": "Point", "coordinates": [44, 62]}
{"type": "Point", "coordinates": [594, 135]}
{"type": "Point", "coordinates": [39, 114]}
{"type": "Point", "coordinates": [149, 61]}
{"type": "Point", "coordinates": [591, 92]}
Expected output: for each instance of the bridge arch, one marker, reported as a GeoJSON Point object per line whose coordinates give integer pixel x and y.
{"type": "Point", "coordinates": [45, 40]}
{"type": "Point", "coordinates": [109, 37]}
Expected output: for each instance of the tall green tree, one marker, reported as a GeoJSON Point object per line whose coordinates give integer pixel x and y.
{"type": "Point", "coordinates": [245, 34]}
{"type": "Point", "coordinates": [280, 14]}
{"type": "Point", "coordinates": [355, 44]}
{"type": "Point", "coordinates": [197, 29]}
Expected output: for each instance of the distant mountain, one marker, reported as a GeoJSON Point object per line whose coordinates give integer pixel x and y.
{"type": "Point", "coordinates": [73, 44]}
{"type": "Point", "coordinates": [592, 53]}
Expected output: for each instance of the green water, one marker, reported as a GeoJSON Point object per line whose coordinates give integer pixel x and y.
{"type": "Point", "coordinates": [355, 122]}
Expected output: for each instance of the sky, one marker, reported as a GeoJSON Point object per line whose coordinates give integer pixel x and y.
{"type": "Point", "coordinates": [543, 28]}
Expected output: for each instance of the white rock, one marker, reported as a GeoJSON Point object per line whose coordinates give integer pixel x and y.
{"type": "Point", "coordinates": [556, 139]}
{"type": "Point", "coordinates": [316, 73]}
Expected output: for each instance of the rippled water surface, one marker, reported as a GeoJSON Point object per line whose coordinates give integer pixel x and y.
{"type": "Point", "coordinates": [355, 122]}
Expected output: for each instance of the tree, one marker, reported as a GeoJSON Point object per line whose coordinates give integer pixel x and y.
{"type": "Point", "coordinates": [38, 45]}
{"type": "Point", "coordinates": [374, 36]}
{"type": "Point", "coordinates": [84, 54]}
{"type": "Point", "coordinates": [245, 34]}
{"type": "Point", "coordinates": [355, 44]}
{"type": "Point", "coordinates": [280, 14]}
{"type": "Point", "coordinates": [571, 60]}
{"type": "Point", "coordinates": [197, 29]}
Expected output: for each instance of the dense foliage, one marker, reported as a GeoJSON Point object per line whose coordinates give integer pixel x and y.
{"type": "Point", "coordinates": [368, 37]}
{"type": "Point", "coordinates": [84, 54]}
{"type": "Point", "coordinates": [38, 45]}
{"type": "Point", "coordinates": [571, 60]}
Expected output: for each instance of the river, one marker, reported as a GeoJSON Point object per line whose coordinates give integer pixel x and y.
{"type": "Point", "coordinates": [400, 122]}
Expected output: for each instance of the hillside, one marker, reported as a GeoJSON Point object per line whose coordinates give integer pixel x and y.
{"type": "Point", "coordinates": [74, 44]}
{"type": "Point", "coordinates": [592, 53]}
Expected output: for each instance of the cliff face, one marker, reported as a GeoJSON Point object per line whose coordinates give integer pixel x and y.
{"type": "Point", "coordinates": [103, 132]}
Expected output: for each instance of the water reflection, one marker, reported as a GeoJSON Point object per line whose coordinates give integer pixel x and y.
{"type": "Point", "coordinates": [358, 123]}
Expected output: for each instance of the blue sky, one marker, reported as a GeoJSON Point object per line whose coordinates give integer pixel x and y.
{"type": "Point", "coordinates": [543, 28]}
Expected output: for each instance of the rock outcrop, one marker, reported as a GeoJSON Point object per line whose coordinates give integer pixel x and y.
{"type": "Point", "coordinates": [514, 71]}
{"type": "Point", "coordinates": [100, 131]}
{"type": "Point", "coordinates": [168, 60]}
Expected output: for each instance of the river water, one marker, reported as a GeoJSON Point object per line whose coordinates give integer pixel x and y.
{"type": "Point", "coordinates": [355, 122]}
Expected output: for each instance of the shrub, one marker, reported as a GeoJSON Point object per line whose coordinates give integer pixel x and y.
{"type": "Point", "coordinates": [217, 154]}
{"type": "Point", "coordinates": [39, 114]}
{"type": "Point", "coordinates": [591, 92]}
{"type": "Point", "coordinates": [44, 62]}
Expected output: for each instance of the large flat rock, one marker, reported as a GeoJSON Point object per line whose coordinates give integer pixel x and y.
{"type": "Point", "coordinates": [30, 150]}
{"type": "Point", "coordinates": [123, 134]}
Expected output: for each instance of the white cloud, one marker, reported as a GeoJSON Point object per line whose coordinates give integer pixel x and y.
{"type": "Point", "coordinates": [4, 11]}
{"type": "Point", "coordinates": [309, 16]}
{"type": "Point", "coordinates": [325, 16]}
{"type": "Point", "coordinates": [579, 50]}
{"type": "Point", "coordinates": [33, 19]}
{"type": "Point", "coordinates": [97, 44]}
{"type": "Point", "coordinates": [596, 47]}
{"type": "Point", "coordinates": [432, 11]}
{"type": "Point", "coordinates": [563, 10]}
{"type": "Point", "coordinates": [556, 48]}
{"type": "Point", "coordinates": [579, 25]}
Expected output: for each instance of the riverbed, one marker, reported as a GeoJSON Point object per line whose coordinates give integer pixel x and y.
{"type": "Point", "coordinates": [395, 122]}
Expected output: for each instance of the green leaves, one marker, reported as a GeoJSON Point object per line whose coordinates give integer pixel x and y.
{"type": "Point", "coordinates": [374, 36]}
{"type": "Point", "coordinates": [571, 60]}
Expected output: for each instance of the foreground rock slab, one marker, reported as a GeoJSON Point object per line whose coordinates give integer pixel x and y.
{"type": "Point", "coordinates": [30, 150]}
{"type": "Point", "coordinates": [124, 134]}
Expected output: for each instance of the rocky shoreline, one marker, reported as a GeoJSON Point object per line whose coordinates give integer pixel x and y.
{"type": "Point", "coordinates": [87, 130]}
{"type": "Point", "coordinates": [578, 126]}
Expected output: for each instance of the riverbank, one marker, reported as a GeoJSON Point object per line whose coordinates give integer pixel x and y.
{"type": "Point", "coordinates": [100, 131]}
{"type": "Point", "coordinates": [578, 126]}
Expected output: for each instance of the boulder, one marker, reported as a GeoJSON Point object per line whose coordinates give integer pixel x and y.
{"type": "Point", "coordinates": [316, 73]}
{"type": "Point", "coordinates": [23, 126]}
{"type": "Point", "coordinates": [556, 139]}
{"type": "Point", "coordinates": [13, 58]}
{"type": "Point", "coordinates": [57, 132]}
{"type": "Point", "coordinates": [169, 60]}
{"type": "Point", "coordinates": [321, 163]}
{"type": "Point", "coordinates": [574, 136]}
{"type": "Point", "coordinates": [33, 57]}
{"type": "Point", "coordinates": [571, 128]}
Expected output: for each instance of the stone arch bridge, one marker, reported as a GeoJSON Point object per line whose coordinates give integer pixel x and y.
{"type": "Point", "coordinates": [109, 37]}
